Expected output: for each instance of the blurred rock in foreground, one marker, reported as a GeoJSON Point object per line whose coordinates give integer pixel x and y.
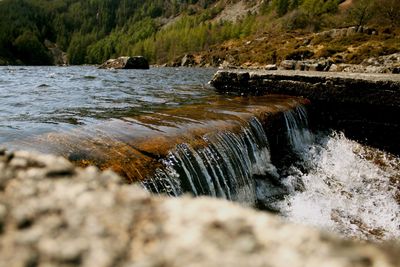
{"type": "Point", "coordinates": [52, 214]}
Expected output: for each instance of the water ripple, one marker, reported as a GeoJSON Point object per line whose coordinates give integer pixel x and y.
{"type": "Point", "coordinates": [68, 96]}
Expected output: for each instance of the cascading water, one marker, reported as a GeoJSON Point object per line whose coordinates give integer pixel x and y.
{"type": "Point", "coordinates": [347, 188]}
{"type": "Point", "coordinates": [335, 184]}
{"type": "Point", "coordinates": [233, 166]}
{"type": "Point", "coordinates": [339, 185]}
{"type": "Point", "coordinates": [298, 133]}
{"type": "Point", "coordinates": [224, 168]}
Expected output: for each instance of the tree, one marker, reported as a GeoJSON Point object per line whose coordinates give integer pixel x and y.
{"type": "Point", "coordinates": [361, 12]}
{"type": "Point", "coordinates": [30, 50]}
{"type": "Point", "coordinates": [390, 9]}
{"type": "Point", "coordinates": [282, 7]}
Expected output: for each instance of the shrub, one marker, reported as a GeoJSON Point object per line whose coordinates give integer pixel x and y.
{"type": "Point", "coordinates": [30, 50]}
{"type": "Point", "coordinates": [300, 54]}
{"type": "Point", "coordinates": [329, 51]}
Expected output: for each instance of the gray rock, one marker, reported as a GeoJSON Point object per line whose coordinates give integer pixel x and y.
{"type": "Point", "coordinates": [338, 33]}
{"type": "Point", "coordinates": [382, 64]}
{"type": "Point", "coordinates": [334, 68]}
{"type": "Point", "coordinates": [310, 65]}
{"type": "Point", "coordinates": [188, 61]}
{"type": "Point", "coordinates": [351, 31]}
{"type": "Point", "coordinates": [90, 218]}
{"type": "Point", "coordinates": [271, 67]}
{"type": "Point", "coordinates": [137, 62]}
{"type": "Point", "coordinates": [288, 64]}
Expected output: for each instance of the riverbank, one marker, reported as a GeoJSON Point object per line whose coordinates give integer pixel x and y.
{"type": "Point", "coordinates": [349, 49]}
{"type": "Point", "coordinates": [342, 49]}
{"type": "Point", "coordinates": [52, 213]}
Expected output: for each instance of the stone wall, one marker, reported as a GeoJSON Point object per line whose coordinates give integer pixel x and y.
{"type": "Point", "coordinates": [365, 106]}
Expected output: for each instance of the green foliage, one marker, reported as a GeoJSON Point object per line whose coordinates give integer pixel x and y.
{"type": "Point", "coordinates": [191, 34]}
{"type": "Point", "coordinates": [331, 50]}
{"type": "Point", "coordinates": [92, 31]}
{"type": "Point", "coordinates": [310, 14]}
{"type": "Point", "coordinates": [78, 48]}
{"type": "Point", "coordinates": [23, 28]}
{"type": "Point", "coordinates": [314, 11]}
{"type": "Point", "coordinates": [284, 6]}
{"type": "Point", "coordinates": [316, 8]}
{"type": "Point", "coordinates": [28, 46]}
{"type": "Point", "coordinates": [299, 54]}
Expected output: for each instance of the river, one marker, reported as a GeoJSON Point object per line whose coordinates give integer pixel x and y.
{"type": "Point", "coordinates": [36, 100]}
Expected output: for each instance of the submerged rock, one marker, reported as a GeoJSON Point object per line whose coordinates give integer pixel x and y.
{"type": "Point", "coordinates": [137, 62]}
{"type": "Point", "coordinates": [52, 214]}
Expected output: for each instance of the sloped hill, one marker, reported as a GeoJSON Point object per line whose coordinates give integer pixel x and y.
{"type": "Point", "coordinates": [164, 31]}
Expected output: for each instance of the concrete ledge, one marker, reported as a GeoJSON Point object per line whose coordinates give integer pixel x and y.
{"type": "Point", "coordinates": [365, 106]}
{"type": "Point", "coordinates": [134, 146]}
{"type": "Point", "coordinates": [374, 89]}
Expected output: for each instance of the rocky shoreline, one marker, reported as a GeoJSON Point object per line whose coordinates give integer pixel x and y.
{"type": "Point", "coordinates": [389, 64]}
{"type": "Point", "coordinates": [53, 214]}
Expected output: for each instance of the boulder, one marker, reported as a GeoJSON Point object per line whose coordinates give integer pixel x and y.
{"type": "Point", "coordinates": [137, 62]}
{"type": "Point", "coordinates": [288, 64]}
{"type": "Point", "coordinates": [188, 61]}
{"type": "Point", "coordinates": [52, 214]}
{"type": "Point", "coordinates": [334, 68]}
{"type": "Point", "coordinates": [313, 65]}
{"type": "Point", "coordinates": [271, 67]}
{"type": "Point", "coordinates": [175, 63]}
{"type": "Point", "coordinates": [351, 31]}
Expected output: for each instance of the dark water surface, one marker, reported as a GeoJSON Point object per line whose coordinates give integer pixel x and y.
{"type": "Point", "coordinates": [37, 100]}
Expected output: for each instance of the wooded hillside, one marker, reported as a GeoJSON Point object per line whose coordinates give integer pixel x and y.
{"type": "Point", "coordinates": [91, 31]}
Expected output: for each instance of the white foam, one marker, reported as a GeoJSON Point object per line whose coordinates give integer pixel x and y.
{"type": "Point", "coordinates": [345, 190]}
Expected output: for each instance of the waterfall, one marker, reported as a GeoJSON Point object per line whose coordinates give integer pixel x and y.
{"type": "Point", "coordinates": [298, 132]}
{"type": "Point", "coordinates": [234, 166]}
{"type": "Point", "coordinates": [224, 168]}
{"type": "Point", "coordinates": [334, 183]}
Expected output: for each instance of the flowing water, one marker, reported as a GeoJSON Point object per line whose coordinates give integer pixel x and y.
{"type": "Point", "coordinates": [37, 100]}
{"type": "Point", "coordinates": [342, 186]}
{"type": "Point", "coordinates": [167, 128]}
{"type": "Point", "coordinates": [225, 167]}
